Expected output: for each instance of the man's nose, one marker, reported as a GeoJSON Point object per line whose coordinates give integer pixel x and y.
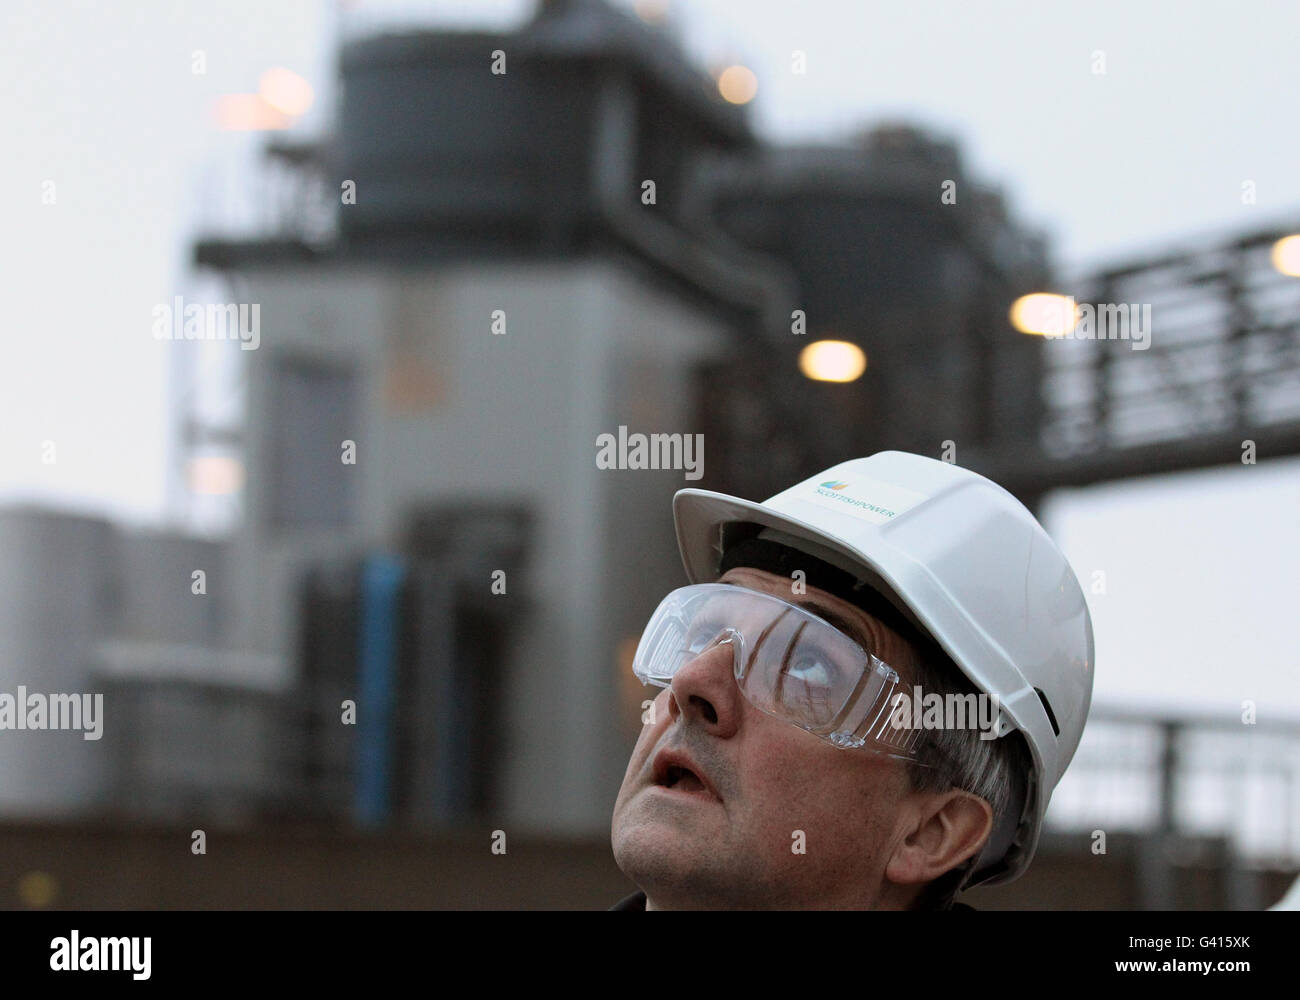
{"type": "Point", "coordinates": [705, 690]}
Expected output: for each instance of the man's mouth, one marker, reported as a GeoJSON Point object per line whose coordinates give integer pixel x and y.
{"type": "Point", "coordinates": [683, 778]}
{"type": "Point", "coordinates": [674, 770]}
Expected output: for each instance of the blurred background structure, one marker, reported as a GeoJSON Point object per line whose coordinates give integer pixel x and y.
{"type": "Point", "coordinates": [593, 239]}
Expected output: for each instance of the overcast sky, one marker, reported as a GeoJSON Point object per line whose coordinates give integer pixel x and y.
{"type": "Point", "coordinates": [1195, 99]}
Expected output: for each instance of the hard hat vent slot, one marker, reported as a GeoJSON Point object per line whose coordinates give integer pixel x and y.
{"type": "Point", "coordinates": [1051, 716]}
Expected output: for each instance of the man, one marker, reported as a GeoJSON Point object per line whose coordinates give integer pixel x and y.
{"type": "Point", "coordinates": [870, 688]}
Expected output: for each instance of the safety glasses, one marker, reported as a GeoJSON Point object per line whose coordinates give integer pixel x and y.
{"type": "Point", "coordinates": [787, 662]}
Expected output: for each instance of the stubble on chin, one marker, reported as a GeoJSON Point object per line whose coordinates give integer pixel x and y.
{"type": "Point", "coordinates": [680, 863]}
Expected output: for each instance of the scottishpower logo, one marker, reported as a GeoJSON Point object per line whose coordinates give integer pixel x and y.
{"type": "Point", "coordinates": [888, 500]}
{"type": "Point", "coordinates": [829, 488]}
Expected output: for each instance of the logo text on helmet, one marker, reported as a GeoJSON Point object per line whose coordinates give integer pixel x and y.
{"type": "Point", "coordinates": [868, 499]}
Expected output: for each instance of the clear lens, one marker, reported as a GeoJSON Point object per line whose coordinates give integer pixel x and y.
{"type": "Point", "coordinates": [787, 662]}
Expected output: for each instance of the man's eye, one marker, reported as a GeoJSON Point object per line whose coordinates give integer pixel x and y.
{"type": "Point", "coordinates": [814, 669]}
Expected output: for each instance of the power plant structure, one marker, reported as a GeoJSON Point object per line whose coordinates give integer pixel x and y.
{"type": "Point", "coordinates": [422, 618]}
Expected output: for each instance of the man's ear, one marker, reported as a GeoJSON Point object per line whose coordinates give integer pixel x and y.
{"type": "Point", "coordinates": [943, 830]}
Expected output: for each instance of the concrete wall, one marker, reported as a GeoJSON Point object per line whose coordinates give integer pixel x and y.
{"type": "Point", "coordinates": [154, 587]}
{"type": "Point", "coordinates": [57, 600]}
{"type": "Point", "coordinates": [81, 599]}
{"type": "Point", "coordinates": [109, 866]}
{"type": "Point", "coordinates": [451, 410]}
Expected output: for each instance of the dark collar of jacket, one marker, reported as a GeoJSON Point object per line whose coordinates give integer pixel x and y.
{"type": "Point", "coordinates": [636, 901]}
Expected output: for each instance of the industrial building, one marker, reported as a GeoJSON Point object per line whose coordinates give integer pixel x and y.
{"type": "Point", "coordinates": [513, 264]}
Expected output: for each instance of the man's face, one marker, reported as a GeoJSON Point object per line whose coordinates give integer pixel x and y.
{"type": "Point", "coordinates": [773, 789]}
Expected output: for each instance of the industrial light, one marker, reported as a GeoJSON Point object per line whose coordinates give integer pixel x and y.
{"type": "Point", "coordinates": [832, 361]}
{"type": "Point", "coordinates": [1286, 256]}
{"type": "Point", "coordinates": [737, 84]}
{"type": "Point", "coordinates": [249, 112]}
{"type": "Point", "coordinates": [215, 475]}
{"type": "Point", "coordinates": [651, 11]}
{"type": "Point", "coordinates": [1044, 314]}
{"type": "Point", "coordinates": [285, 91]}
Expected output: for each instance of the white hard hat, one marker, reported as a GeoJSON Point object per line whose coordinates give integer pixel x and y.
{"type": "Point", "coordinates": [966, 562]}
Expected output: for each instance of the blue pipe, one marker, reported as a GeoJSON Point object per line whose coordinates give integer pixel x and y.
{"type": "Point", "coordinates": [382, 577]}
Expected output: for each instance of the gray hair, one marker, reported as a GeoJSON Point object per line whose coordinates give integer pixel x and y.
{"type": "Point", "coordinates": [960, 759]}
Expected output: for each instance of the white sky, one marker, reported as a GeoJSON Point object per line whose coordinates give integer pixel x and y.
{"type": "Point", "coordinates": [1199, 586]}
{"type": "Point", "coordinates": [1196, 99]}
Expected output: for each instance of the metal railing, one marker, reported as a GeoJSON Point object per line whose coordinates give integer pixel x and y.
{"type": "Point", "coordinates": [1198, 776]}
{"type": "Point", "coordinates": [1222, 354]}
